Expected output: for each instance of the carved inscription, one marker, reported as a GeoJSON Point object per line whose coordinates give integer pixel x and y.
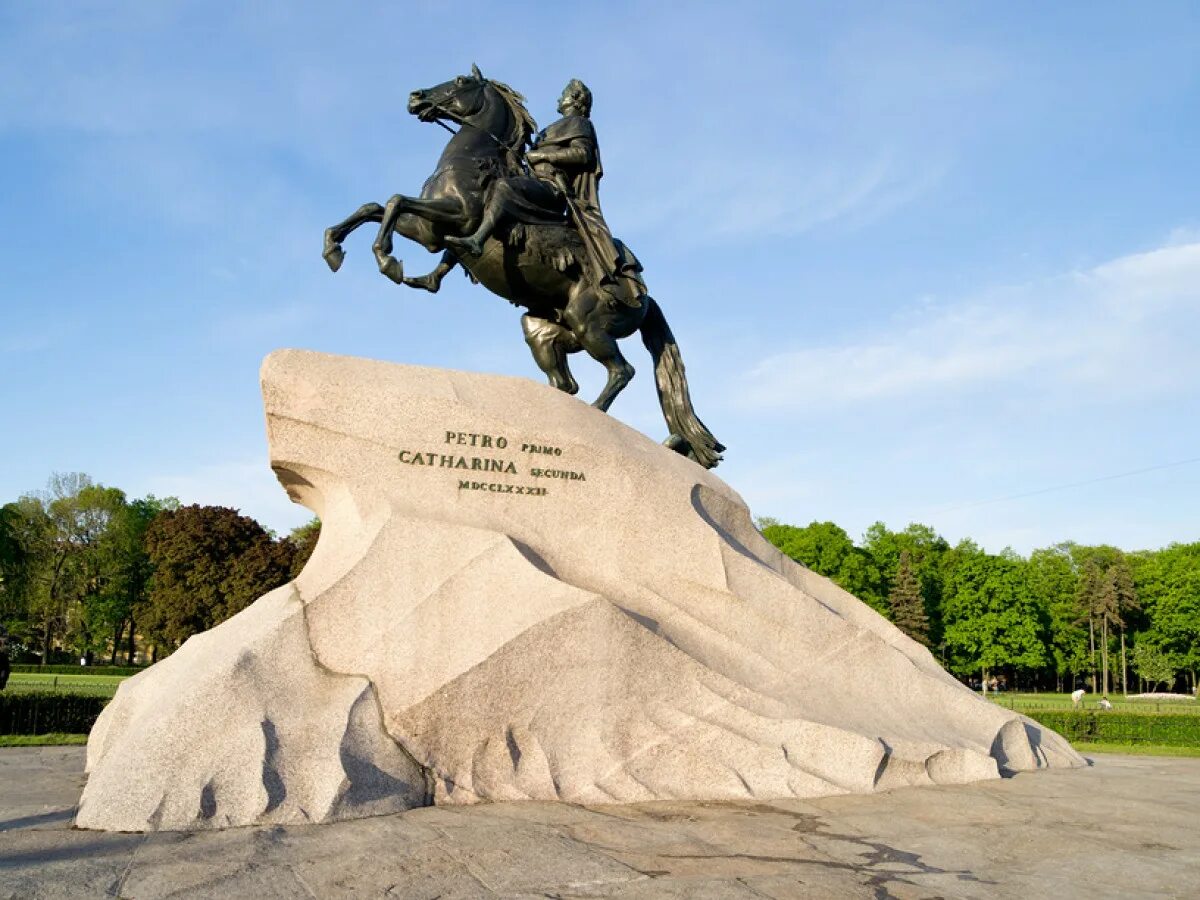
{"type": "Point", "coordinates": [484, 456]}
{"type": "Point", "coordinates": [558, 473]}
{"type": "Point", "coordinates": [450, 461]}
{"type": "Point", "coordinates": [467, 438]}
{"type": "Point", "coordinates": [501, 488]}
{"type": "Point", "coordinates": [541, 448]}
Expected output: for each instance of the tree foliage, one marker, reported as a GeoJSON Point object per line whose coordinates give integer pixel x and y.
{"type": "Point", "coordinates": [991, 616]}
{"type": "Point", "coordinates": [15, 559]}
{"type": "Point", "coordinates": [1168, 584]}
{"type": "Point", "coordinates": [304, 542]}
{"type": "Point", "coordinates": [1064, 613]}
{"type": "Point", "coordinates": [906, 602]}
{"type": "Point", "coordinates": [86, 571]}
{"type": "Point", "coordinates": [1153, 664]}
{"type": "Point", "coordinates": [1054, 582]}
{"type": "Point", "coordinates": [827, 550]}
{"type": "Point", "coordinates": [925, 549]}
{"type": "Point", "coordinates": [209, 563]}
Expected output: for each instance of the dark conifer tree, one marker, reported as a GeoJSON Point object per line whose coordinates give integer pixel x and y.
{"type": "Point", "coordinates": [908, 606]}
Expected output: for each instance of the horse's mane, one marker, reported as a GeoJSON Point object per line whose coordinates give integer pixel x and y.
{"type": "Point", "coordinates": [523, 122]}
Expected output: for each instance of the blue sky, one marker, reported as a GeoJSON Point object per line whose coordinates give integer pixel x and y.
{"type": "Point", "coordinates": [926, 261]}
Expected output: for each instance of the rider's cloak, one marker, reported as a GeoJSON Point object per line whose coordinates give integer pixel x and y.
{"type": "Point", "coordinates": [584, 183]}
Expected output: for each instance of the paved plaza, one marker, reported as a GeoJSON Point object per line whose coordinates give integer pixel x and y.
{"type": "Point", "coordinates": [1125, 827]}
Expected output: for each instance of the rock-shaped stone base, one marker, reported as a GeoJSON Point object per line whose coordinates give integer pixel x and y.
{"type": "Point", "coordinates": [243, 725]}
{"type": "Point", "coordinates": [517, 597]}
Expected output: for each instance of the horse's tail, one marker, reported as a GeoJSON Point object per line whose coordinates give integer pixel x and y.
{"type": "Point", "coordinates": [671, 381]}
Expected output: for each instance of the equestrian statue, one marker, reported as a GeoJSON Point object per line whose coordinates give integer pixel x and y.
{"type": "Point", "coordinates": [519, 210]}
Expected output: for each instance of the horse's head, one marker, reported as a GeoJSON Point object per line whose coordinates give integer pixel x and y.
{"type": "Point", "coordinates": [459, 100]}
{"type": "Point", "coordinates": [477, 102]}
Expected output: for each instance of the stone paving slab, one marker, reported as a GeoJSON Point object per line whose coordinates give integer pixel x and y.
{"type": "Point", "coordinates": [1125, 827]}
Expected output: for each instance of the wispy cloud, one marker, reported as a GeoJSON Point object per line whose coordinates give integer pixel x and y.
{"type": "Point", "coordinates": [840, 134]}
{"type": "Point", "coordinates": [771, 196]}
{"type": "Point", "coordinates": [1128, 325]}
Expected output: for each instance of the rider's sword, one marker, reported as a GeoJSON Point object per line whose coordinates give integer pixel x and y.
{"type": "Point", "coordinates": [593, 252]}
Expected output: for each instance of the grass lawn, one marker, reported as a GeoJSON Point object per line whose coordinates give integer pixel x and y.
{"type": "Point", "coordinates": [1137, 749]}
{"type": "Point", "coordinates": [41, 740]}
{"type": "Point", "coordinates": [100, 685]}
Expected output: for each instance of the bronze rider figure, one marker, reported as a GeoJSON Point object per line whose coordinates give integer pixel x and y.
{"type": "Point", "coordinates": [565, 162]}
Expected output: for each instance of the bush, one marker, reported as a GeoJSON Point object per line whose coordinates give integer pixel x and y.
{"type": "Point", "coordinates": [27, 669]}
{"type": "Point", "coordinates": [43, 712]}
{"type": "Point", "coordinates": [1122, 728]}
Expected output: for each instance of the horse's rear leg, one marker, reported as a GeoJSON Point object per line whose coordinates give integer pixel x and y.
{"type": "Point", "coordinates": [602, 347]}
{"type": "Point", "coordinates": [550, 343]}
{"type": "Point", "coordinates": [333, 252]}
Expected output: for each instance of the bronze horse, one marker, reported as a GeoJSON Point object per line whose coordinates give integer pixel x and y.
{"type": "Point", "coordinates": [537, 266]}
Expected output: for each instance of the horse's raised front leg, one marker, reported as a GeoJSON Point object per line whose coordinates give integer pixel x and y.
{"type": "Point", "coordinates": [550, 343]}
{"type": "Point", "coordinates": [444, 211]}
{"type": "Point", "coordinates": [333, 252]}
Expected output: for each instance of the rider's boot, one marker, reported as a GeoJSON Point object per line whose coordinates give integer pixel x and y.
{"type": "Point", "coordinates": [630, 290]}
{"type": "Point", "coordinates": [468, 246]}
{"type": "Point", "coordinates": [473, 243]}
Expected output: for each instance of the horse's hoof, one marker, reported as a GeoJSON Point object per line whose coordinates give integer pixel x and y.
{"type": "Point", "coordinates": [334, 255]}
{"type": "Point", "coordinates": [393, 269]}
{"type": "Point", "coordinates": [678, 443]}
{"type": "Point", "coordinates": [567, 385]}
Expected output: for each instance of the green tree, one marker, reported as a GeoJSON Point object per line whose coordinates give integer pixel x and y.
{"type": "Point", "coordinates": [84, 513]}
{"type": "Point", "coordinates": [925, 548]}
{"type": "Point", "coordinates": [15, 560]}
{"type": "Point", "coordinates": [1054, 581]}
{"type": "Point", "coordinates": [1153, 665]}
{"type": "Point", "coordinates": [29, 610]}
{"type": "Point", "coordinates": [1118, 599]}
{"type": "Point", "coordinates": [1168, 585]}
{"type": "Point", "coordinates": [992, 617]}
{"type": "Point", "coordinates": [827, 550]}
{"type": "Point", "coordinates": [1087, 604]}
{"type": "Point", "coordinates": [209, 562]}
{"type": "Point", "coordinates": [908, 606]}
{"type": "Point", "coordinates": [115, 609]}
{"type": "Point", "coordinates": [62, 530]}
{"type": "Point", "coordinates": [1105, 595]}
{"type": "Point", "coordinates": [12, 551]}
{"type": "Point", "coordinates": [304, 542]}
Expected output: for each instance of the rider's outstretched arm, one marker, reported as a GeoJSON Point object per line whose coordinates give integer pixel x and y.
{"type": "Point", "coordinates": [433, 281]}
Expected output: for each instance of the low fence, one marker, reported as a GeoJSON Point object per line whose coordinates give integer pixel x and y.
{"type": "Point", "coordinates": [43, 712]}
{"type": "Point", "coordinates": [31, 669]}
{"type": "Point", "coordinates": [46, 713]}
{"type": "Point", "coordinates": [59, 684]}
{"type": "Point", "coordinates": [1122, 728]}
{"type": "Point", "coordinates": [1133, 707]}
